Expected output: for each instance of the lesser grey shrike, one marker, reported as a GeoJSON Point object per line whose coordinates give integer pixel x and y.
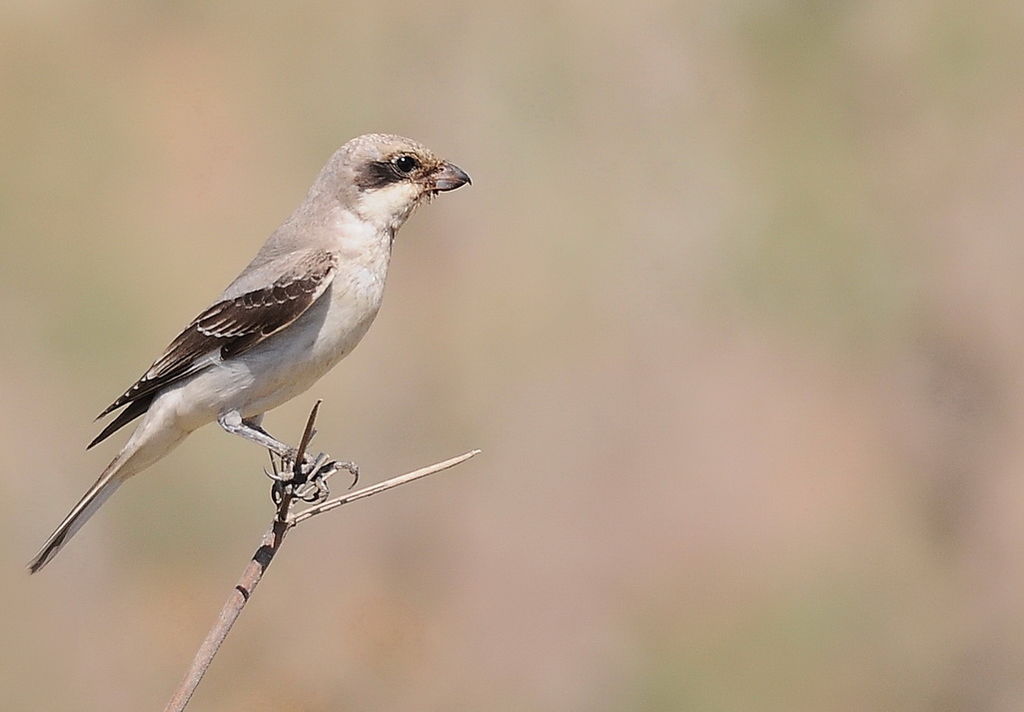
{"type": "Point", "coordinates": [298, 308]}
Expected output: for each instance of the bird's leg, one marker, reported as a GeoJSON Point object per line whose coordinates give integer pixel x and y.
{"type": "Point", "coordinates": [322, 491]}
{"type": "Point", "coordinates": [312, 466]}
{"type": "Point", "coordinates": [233, 423]}
{"type": "Point", "coordinates": [256, 423]}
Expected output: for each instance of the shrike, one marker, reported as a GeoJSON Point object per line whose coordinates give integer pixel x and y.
{"type": "Point", "coordinates": [300, 306]}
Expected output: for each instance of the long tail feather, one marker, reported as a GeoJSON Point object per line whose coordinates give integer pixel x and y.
{"type": "Point", "coordinates": [99, 493]}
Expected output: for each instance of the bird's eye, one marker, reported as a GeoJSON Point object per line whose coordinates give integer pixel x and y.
{"type": "Point", "coordinates": [405, 164]}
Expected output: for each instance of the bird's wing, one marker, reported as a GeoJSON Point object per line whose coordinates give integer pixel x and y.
{"type": "Point", "coordinates": [233, 326]}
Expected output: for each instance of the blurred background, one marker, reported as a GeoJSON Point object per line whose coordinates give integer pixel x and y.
{"type": "Point", "coordinates": [733, 309]}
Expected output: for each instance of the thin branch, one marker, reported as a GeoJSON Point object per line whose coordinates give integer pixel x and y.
{"type": "Point", "coordinates": [380, 487]}
{"type": "Point", "coordinates": [270, 544]}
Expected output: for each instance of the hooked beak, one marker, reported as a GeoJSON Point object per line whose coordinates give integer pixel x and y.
{"type": "Point", "coordinates": [449, 177]}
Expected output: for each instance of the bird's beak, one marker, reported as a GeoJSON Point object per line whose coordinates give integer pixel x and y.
{"type": "Point", "coordinates": [449, 177]}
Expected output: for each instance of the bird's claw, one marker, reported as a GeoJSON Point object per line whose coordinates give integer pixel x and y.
{"type": "Point", "coordinates": [307, 482]}
{"type": "Point", "coordinates": [352, 468]}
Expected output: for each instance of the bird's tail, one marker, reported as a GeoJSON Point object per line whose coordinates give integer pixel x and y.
{"type": "Point", "coordinates": [99, 493]}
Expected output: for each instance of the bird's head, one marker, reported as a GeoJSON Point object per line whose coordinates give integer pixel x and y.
{"type": "Point", "coordinates": [386, 176]}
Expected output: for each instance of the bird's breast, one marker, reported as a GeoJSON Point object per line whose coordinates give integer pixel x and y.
{"type": "Point", "coordinates": [349, 306]}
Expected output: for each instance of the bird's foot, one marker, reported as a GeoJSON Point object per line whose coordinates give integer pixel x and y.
{"type": "Point", "coordinates": [307, 482]}
{"type": "Point", "coordinates": [321, 464]}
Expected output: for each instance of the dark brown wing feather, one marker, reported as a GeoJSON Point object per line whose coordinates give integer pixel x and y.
{"type": "Point", "coordinates": [233, 326]}
{"type": "Point", "coordinates": [134, 410]}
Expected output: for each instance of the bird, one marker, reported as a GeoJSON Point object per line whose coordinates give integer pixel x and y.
{"type": "Point", "coordinates": [299, 307]}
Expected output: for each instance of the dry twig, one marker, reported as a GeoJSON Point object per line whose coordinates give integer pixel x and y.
{"type": "Point", "coordinates": [271, 542]}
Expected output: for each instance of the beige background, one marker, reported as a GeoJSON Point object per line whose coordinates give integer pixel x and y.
{"type": "Point", "coordinates": [733, 308]}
